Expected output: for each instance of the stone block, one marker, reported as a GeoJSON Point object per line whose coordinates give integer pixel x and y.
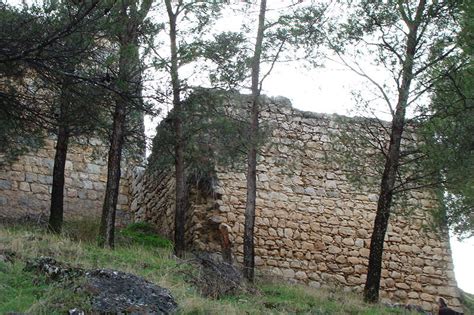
{"type": "Point", "coordinates": [23, 186]}
{"type": "Point", "coordinates": [93, 168]}
{"type": "Point", "coordinates": [5, 184]}
{"type": "Point", "coordinates": [122, 199]}
{"type": "Point", "coordinates": [87, 184]}
{"type": "Point", "coordinates": [39, 188]}
{"type": "Point", "coordinates": [364, 252]}
{"type": "Point", "coordinates": [45, 179]}
{"type": "Point", "coordinates": [334, 250]}
{"type": "Point", "coordinates": [346, 231]}
{"type": "Point", "coordinates": [288, 273]}
{"type": "Point", "coordinates": [301, 275]}
{"type": "Point", "coordinates": [92, 195]}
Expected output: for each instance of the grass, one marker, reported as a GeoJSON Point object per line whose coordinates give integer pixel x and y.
{"type": "Point", "coordinates": [22, 291]}
{"type": "Point", "coordinates": [144, 234]}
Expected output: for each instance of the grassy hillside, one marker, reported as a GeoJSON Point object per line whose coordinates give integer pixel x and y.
{"type": "Point", "coordinates": [150, 257]}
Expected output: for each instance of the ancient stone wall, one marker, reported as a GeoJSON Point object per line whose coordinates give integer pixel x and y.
{"type": "Point", "coordinates": [313, 225]}
{"type": "Point", "coordinates": [25, 185]}
{"type": "Point", "coordinates": [153, 200]}
{"type": "Point", "coordinates": [152, 193]}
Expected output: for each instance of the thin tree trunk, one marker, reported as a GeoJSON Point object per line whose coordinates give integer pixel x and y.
{"type": "Point", "coordinates": [57, 194]}
{"type": "Point", "coordinates": [125, 80]}
{"type": "Point", "coordinates": [249, 224]}
{"type": "Point", "coordinates": [129, 82]}
{"type": "Point", "coordinates": [107, 223]}
{"type": "Point", "coordinates": [372, 284]}
{"type": "Point", "coordinates": [180, 175]}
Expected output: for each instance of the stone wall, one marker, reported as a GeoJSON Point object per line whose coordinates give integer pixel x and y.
{"type": "Point", "coordinates": [312, 224]}
{"type": "Point", "coordinates": [153, 200]}
{"type": "Point", "coordinates": [25, 185]}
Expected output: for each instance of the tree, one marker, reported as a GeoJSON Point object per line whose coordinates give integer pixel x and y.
{"type": "Point", "coordinates": [79, 109]}
{"type": "Point", "coordinates": [408, 39]}
{"type": "Point", "coordinates": [249, 249]}
{"type": "Point", "coordinates": [126, 29]}
{"type": "Point", "coordinates": [54, 85]}
{"type": "Point", "coordinates": [274, 39]}
{"type": "Point", "coordinates": [188, 22]}
{"type": "Point", "coordinates": [447, 130]}
{"type": "Point", "coordinates": [22, 120]}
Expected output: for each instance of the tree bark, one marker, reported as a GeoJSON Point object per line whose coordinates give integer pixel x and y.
{"type": "Point", "coordinates": [107, 223]}
{"type": "Point", "coordinates": [180, 173]}
{"type": "Point", "coordinates": [57, 194]}
{"type": "Point", "coordinates": [127, 69]}
{"type": "Point", "coordinates": [129, 83]}
{"type": "Point", "coordinates": [249, 248]}
{"type": "Point", "coordinates": [372, 284]}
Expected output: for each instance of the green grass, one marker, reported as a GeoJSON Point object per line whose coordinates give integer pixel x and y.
{"type": "Point", "coordinates": [22, 291]}
{"type": "Point", "coordinates": [17, 290]}
{"type": "Point", "coordinates": [144, 234]}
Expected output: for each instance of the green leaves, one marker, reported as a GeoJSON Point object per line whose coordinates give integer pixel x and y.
{"type": "Point", "coordinates": [230, 58]}
{"type": "Point", "coordinates": [212, 136]}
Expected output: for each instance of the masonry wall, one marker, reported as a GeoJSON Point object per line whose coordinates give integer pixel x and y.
{"type": "Point", "coordinates": [312, 224]}
{"type": "Point", "coordinates": [153, 200]}
{"type": "Point", "coordinates": [25, 185]}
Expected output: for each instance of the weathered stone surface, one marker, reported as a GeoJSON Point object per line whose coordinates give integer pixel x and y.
{"type": "Point", "coordinates": [5, 184]}
{"type": "Point", "coordinates": [25, 186]}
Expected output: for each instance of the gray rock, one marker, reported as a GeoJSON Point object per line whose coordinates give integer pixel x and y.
{"type": "Point", "coordinates": [93, 168]}
{"type": "Point", "coordinates": [112, 292]}
{"type": "Point", "coordinates": [5, 184]}
{"type": "Point", "coordinates": [120, 292]}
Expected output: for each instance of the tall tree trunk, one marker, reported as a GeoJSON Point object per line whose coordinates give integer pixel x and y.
{"type": "Point", "coordinates": [124, 82]}
{"type": "Point", "coordinates": [57, 194]}
{"type": "Point", "coordinates": [249, 248]}
{"type": "Point", "coordinates": [129, 84]}
{"type": "Point", "coordinates": [372, 284]}
{"type": "Point", "coordinates": [107, 223]}
{"type": "Point", "coordinates": [180, 173]}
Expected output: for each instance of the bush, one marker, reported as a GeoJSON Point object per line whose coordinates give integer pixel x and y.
{"type": "Point", "coordinates": [144, 234]}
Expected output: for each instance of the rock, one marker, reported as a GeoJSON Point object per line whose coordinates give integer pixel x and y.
{"type": "Point", "coordinates": [120, 292]}
{"type": "Point", "coordinates": [76, 311]}
{"type": "Point", "coordinates": [52, 268]}
{"type": "Point", "coordinates": [408, 307]}
{"type": "Point", "coordinates": [5, 184]}
{"type": "Point", "coordinates": [111, 291]}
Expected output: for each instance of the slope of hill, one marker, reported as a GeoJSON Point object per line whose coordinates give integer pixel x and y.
{"type": "Point", "coordinates": [141, 253]}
